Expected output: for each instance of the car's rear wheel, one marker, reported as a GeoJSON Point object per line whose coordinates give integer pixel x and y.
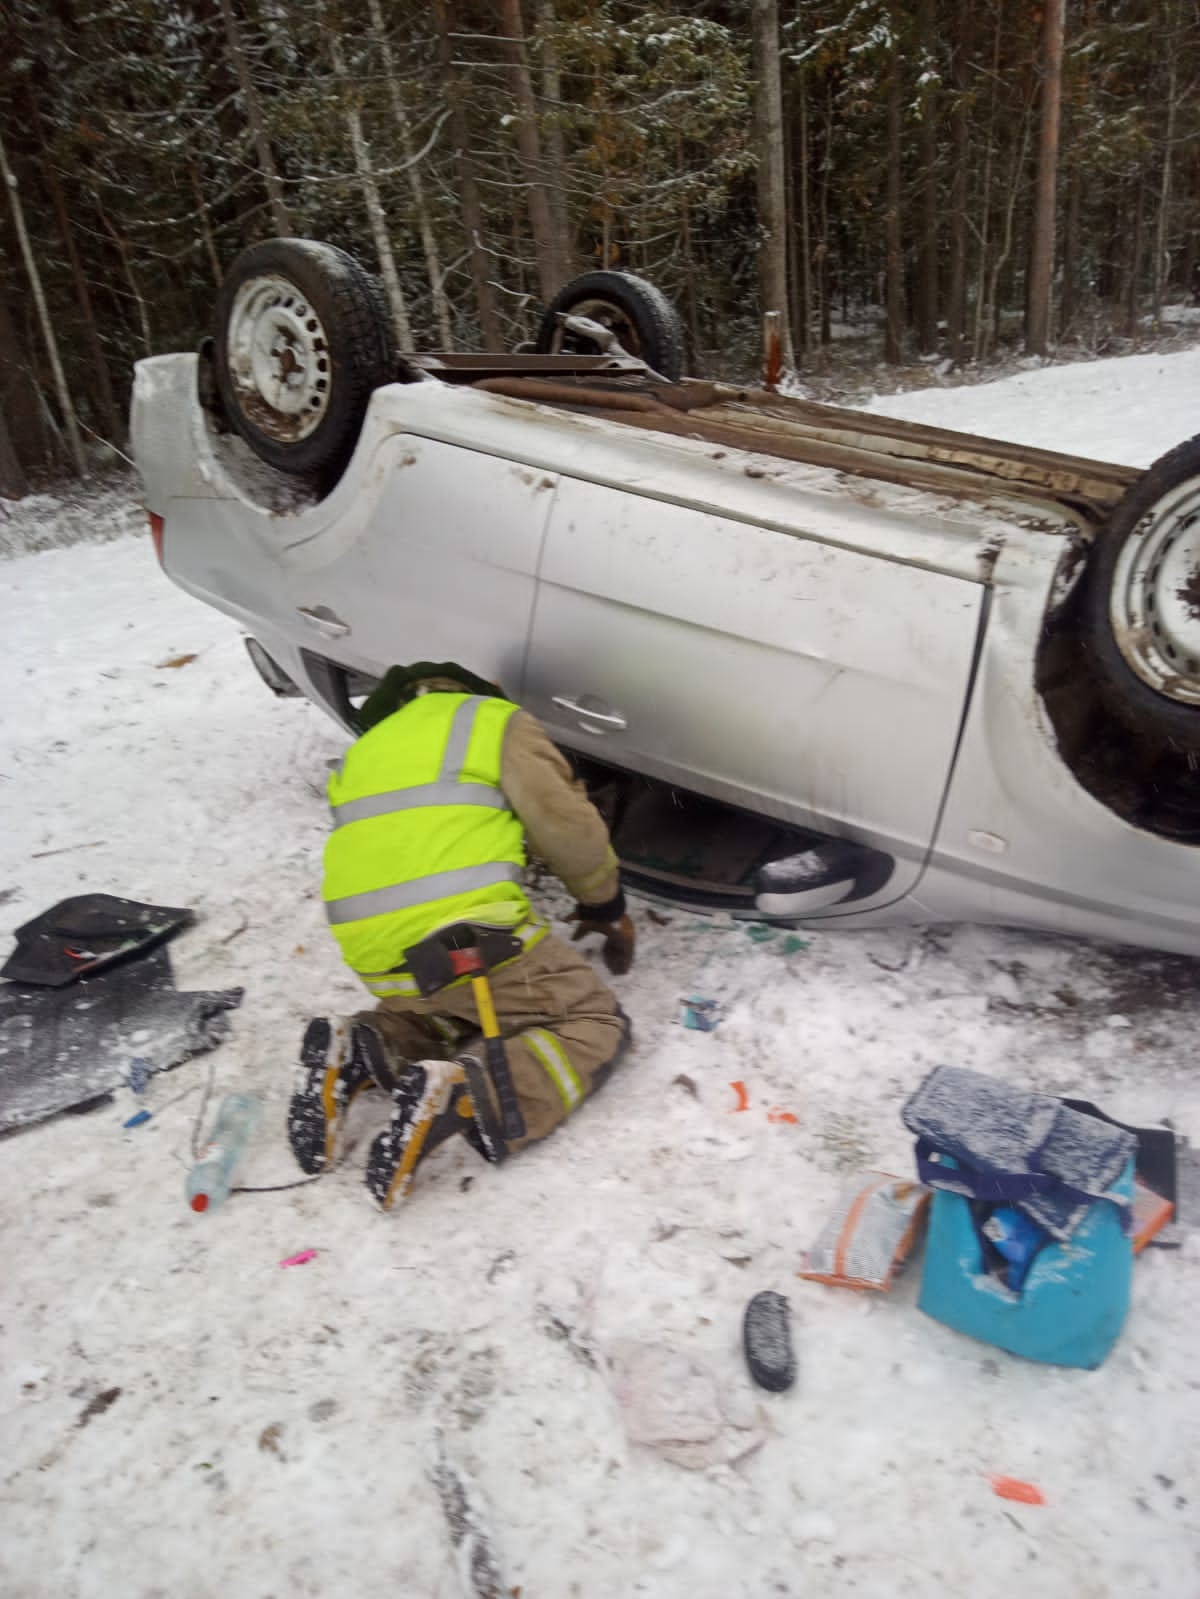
{"type": "Point", "coordinates": [644, 321]}
{"type": "Point", "coordinates": [303, 338]}
{"type": "Point", "coordinates": [1141, 604]}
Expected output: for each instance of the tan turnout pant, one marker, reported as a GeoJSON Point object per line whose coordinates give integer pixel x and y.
{"type": "Point", "coordinates": [562, 1027]}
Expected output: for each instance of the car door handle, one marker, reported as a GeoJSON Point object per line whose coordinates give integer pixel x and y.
{"type": "Point", "coordinates": [324, 620]}
{"type": "Point", "coordinates": [607, 720]}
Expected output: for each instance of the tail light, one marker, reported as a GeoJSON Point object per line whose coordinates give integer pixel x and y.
{"type": "Point", "coordinates": [156, 534]}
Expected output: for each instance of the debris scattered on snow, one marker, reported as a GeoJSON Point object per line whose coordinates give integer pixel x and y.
{"type": "Point", "coordinates": [701, 1015]}
{"type": "Point", "coordinates": [1021, 1493]}
{"type": "Point", "coordinates": [767, 1341]}
{"type": "Point", "coordinates": [302, 1259]}
{"type": "Point", "coordinates": [676, 1406]}
{"type": "Point", "coordinates": [869, 1234]}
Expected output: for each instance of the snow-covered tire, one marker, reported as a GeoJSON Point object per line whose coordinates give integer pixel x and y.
{"type": "Point", "coordinates": [303, 339]}
{"type": "Point", "coordinates": [641, 316]}
{"type": "Point", "coordinates": [1141, 604]}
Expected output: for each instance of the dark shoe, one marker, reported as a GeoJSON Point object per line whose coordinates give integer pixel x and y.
{"type": "Point", "coordinates": [481, 1125]}
{"type": "Point", "coordinates": [430, 1107]}
{"type": "Point", "coordinates": [373, 1057]}
{"type": "Point", "coordinates": [328, 1079]}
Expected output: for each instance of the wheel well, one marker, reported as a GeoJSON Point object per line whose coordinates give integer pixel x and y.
{"type": "Point", "coordinates": [1147, 784]}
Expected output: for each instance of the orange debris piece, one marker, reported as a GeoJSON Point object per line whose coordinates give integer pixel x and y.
{"type": "Point", "coordinates": [1023, 1493]}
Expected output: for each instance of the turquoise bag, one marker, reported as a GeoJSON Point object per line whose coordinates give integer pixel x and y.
{"type": "Point", "coordinates": [1029, 1243]}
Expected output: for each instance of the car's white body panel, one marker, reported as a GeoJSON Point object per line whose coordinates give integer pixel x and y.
{"type": "Point", "coordinates": [853, 657]}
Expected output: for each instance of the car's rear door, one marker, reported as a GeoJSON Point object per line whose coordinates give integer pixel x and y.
{"type": "Point", "coordinates": [802, 678]}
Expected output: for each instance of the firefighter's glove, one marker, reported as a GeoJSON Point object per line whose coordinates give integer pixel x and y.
{"type": "Point", "coordinates": [614, 926]}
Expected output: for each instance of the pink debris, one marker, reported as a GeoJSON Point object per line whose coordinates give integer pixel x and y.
{"type": "Point", "coordinates": [302, 1259]}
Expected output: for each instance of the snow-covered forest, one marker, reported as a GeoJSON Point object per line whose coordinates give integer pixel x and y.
{"type": "Point", "coordinates": [957, 178]}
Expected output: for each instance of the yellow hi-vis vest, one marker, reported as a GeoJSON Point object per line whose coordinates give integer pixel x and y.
{"type": "Point", "coordinates": [422, 835]}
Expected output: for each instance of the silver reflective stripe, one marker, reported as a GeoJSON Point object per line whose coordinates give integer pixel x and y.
{"type": "Point", "coordinates": [412, 799]}
{"type": "Point", "coordinates": [421, 891]}
{"type": "Point", "coordinates": [459, 740]}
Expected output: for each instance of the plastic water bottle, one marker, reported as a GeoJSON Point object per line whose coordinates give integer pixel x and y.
{"type": "Point", "coordinates": [210, 1179]}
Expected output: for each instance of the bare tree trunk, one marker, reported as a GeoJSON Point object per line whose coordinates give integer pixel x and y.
{"type": "Point", "coordinates": [554, 139]}
{"type": "Point", "coordinates": [978, 334]}
{"type": "Point", "coordinates": [1069, 302]}
{"type": "Point", "coordinates": [1161, 230]}
{"type": "Point", "coordinates": [376, 216]}
{"type": "Point", "coordinates": [772, 191]}
{"type": "Point", "coordinates": [429, 246]}
{"type": "Point", "coordinates": [1073, 256]}
{"type": "Point", "coordinates": [1135, 256]}
{"type": "Point", "coordinates": [894, 268]}
{"type": "Point", "coordinates": [1041, 254]}
{"type": "Point", "coordinates": [991, 300]}
{"type": "Point", "coordinates": [470, 204]}
{"type": "Point", "coordinates": [280, 220]}
{"type": "Point", "coordinates": [689, 270]}
{"type": "Point", "coordinates": [823, 283]}
{"type": "Point", "coordinates": [135, 292]}
{"type": "Point", "coordinates": [106, 406]}
{"type": "Point", "coordinates": [65, 403]}
{"type": "Point", "coordinates": [550, 269]}
{"type": "Point", "coordinates": [18, 386]}
{"type": "Point", "coordinates": [927, 241]}
{"type": "Point", "coordinates": [803, 230]}
{"type": "Point", "coordinates": [960, 133]}
{"type": "Point", "coordinates": [13, 482]}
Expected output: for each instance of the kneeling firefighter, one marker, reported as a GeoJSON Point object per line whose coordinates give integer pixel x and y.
{"type": "Point", "coordinates": [487, 1024]}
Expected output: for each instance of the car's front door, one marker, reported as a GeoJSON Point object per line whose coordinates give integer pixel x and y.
{"type": "Point", "coordinates": [810, 682]}
{"type": "Point", "coordinates": [433, 556]}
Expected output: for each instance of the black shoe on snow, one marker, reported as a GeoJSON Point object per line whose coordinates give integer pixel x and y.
{"type": "Point", "coordinates": [429, 1107]}
{"type": "Point", "coordinates": [329, 1076]}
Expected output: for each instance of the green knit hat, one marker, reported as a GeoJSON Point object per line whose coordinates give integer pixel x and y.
{"type": "Point", "coordinates": [399, 683]}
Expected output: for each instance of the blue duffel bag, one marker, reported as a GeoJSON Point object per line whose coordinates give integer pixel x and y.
{"type": "Point", "coordinates": [1029, 1234]}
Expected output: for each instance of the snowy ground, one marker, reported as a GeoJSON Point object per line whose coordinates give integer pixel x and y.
{"type": "Point", "coordinates": [278, 1433]}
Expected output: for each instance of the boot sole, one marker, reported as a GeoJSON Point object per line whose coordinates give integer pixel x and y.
{"type": "Point", "coordinates": [314, 1115]}
{"type": "Point", "coordinates": [432, 1106]}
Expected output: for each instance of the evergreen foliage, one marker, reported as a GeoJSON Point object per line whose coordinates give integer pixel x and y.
{"type": "Point", "coordinates": [151, 140]}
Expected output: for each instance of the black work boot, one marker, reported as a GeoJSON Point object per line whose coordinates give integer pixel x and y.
{"type": "Point", "coordinates": [329, 1077]}
{"type": "Point", "coordinates": [430, 1105]}
{"type": "Point", "coordinates": [482, 1131]}
{"type": "Point", "coordinates": [373, 1055]}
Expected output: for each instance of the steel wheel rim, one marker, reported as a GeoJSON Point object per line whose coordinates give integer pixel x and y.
{"type": "Point", "coordinates": [609, 315]}
{"type": "Point", "coordinates": [1155, 600]}
{"type": "Point", "coordinates": [278, 358]}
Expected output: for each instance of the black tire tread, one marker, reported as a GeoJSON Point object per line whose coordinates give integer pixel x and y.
{"type": "Point", "coordinates": [1151, 716]}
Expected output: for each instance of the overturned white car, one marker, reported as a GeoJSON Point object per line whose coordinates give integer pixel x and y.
{"type": "Point", "coordinates": [814, 664]}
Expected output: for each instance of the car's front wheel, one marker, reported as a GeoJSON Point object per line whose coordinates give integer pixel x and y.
{"type": "Point", "coordinates": [303, 338]}
{"type": "Point", "coordinates": [1141, 604]}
